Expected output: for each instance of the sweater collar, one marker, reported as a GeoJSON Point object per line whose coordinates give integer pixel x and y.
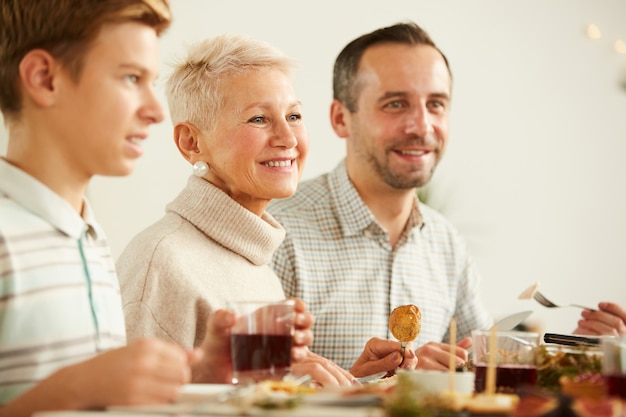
{"type": "Point", "coordinates": [227, 222]}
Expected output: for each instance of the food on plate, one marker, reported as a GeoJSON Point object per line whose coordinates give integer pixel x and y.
{"type": "Point", "coordinates": [381, 386]}
{"type": "Point", "coordinates": [492, 403]}
{"type": "Point", "coordinates": [405, 399]}
{"type": "Point", "coordinates": [555, 361]}
{"type": "Point", "coordinates": [529, 292]}
{"type": "Point", "coordinates": [409, 398]}
{"type": "Point", "coordinates": [587, 385]}
{"type": "Point", "coordinates": [405, 322]}
{"type": "Point", "coordinates": [269, 394]}
{"type": "Point", "coordinates": [535, 403]}
{"type": "Point", "coordinates": [590, 407]}
{"type": "Point", "coordinates": [541, 403]}
{"type": "Point", "coordinates": [289, 386]}
{"type": "Point", "coordinates": [446, 401]}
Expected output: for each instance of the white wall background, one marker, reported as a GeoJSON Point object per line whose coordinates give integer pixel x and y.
{"type": "Point", "coordinates": [534, 176]}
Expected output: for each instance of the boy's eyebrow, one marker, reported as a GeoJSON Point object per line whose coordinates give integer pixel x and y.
{"type": "Point", "coordinates": [138, 67]}
{"type": "Point", "coordinates": [133, 66]}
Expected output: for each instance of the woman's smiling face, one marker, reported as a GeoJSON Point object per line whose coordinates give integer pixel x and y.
{"type": "Point", "coordinates": [258, 145]}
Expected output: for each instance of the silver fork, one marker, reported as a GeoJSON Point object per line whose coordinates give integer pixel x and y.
{"type": "Point", "coordinates": [539, 297]}
{"type": "Point", "coordinates": [402, 349]}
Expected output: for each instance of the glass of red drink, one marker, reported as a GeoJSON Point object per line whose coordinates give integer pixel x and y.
{"type": "Point", "coordinates": [261, 340]}
{"type": "Point", "coordinates": [614, 366]}
{"type": "Point", "coordinates": [511, 353]}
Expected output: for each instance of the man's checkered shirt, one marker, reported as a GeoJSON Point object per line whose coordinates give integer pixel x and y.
{"type": "Point", "coordinates": [340, 262]}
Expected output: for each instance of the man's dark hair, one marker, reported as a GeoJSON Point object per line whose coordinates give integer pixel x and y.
{"type": "Point", "coordinates": [345, 86]}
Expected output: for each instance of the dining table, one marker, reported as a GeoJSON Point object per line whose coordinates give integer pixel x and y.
{"type": "Point", "coordinates": [304, 411]}
{"type": "Point", "coordinates": [298, 412]}
{"type": "Point", "coordinates": [208, 400]}
{"type": "Point", "coordinates": [559, 366]}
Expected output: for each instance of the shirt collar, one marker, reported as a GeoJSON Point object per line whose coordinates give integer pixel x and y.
{"type": "Point", "coordinates": [354, 216]}
{"type": "Point", "coordinates": [37, 198]}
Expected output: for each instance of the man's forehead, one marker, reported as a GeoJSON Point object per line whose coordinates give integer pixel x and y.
{"type": "Point", "coordinates": [406, 74]}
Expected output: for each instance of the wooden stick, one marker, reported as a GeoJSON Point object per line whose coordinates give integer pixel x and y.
{"type": "Point", "coordinates": [452, 365]}
{"type": "Point", "coordinates": [490, 383]}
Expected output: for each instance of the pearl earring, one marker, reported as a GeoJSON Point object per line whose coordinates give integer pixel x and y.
{"type": "Point", "coordinates": [200, 168]}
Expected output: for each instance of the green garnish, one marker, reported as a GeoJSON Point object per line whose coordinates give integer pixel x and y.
{"type": "Point", "coordinates": [553, 364]}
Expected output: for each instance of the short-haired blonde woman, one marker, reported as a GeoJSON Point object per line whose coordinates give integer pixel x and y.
{"type": "Point", "coordinates": [238, 122]}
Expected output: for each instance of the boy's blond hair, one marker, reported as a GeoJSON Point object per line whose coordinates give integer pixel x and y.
{"type": "Point", "coordinates": [64, 28]}
{"type": "Point", "coordinates": [195, 90]}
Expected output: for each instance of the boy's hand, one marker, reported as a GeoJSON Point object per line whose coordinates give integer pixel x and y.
{"type": "Point", "coordinates": [147, 371]}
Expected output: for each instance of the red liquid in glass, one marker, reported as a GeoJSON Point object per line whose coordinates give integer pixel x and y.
{"type": "Point", "coordinates": [260, 351]}
{"type": "Point", "coordinates": [616, 385]}
{"type": "Point", "coordinates": [508, 377]}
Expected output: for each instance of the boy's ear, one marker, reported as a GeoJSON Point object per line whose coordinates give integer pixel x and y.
{"type": "Point", "coordinates": [186, 139]}
{"type": "Point", "coordinates": [37, 71]}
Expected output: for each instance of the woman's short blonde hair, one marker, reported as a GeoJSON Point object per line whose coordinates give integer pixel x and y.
{"type": "Point", "coordinates": [195, 92]}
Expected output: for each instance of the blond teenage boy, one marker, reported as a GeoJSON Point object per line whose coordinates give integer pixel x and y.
{"type": "Point", "coordinates": [77, 96]}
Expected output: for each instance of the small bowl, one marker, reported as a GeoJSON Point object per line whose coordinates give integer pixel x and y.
{"type": "Point", "coordinates": [439, 381]}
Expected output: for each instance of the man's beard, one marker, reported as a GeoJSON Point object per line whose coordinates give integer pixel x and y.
{"type": "Point", "coordinates": [400, 181]}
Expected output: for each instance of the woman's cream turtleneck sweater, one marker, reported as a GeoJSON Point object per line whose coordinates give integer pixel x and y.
{"type": "Point", "coordinates": [205, 252]}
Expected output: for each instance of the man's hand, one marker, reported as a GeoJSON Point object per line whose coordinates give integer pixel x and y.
{"type": "Point", "coordinates": [383, 355]}
{"type": "Point", "coordinates": [610, 319]}
{"type": "Point", "coordinates": [436, 356]}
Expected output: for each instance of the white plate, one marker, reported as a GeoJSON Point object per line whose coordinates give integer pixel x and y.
{"type": "Point", "coordinates": [194, 397]}
{"type": "Point", "coordinates": [200, 392]}
{"type": "Point", "coordinates": [331, 399]}
{"type": "Point", "coordinates": [439, 381]}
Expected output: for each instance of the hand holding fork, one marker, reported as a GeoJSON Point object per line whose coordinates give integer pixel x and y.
{"type": "Point", "coordinates": [532, 292]}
